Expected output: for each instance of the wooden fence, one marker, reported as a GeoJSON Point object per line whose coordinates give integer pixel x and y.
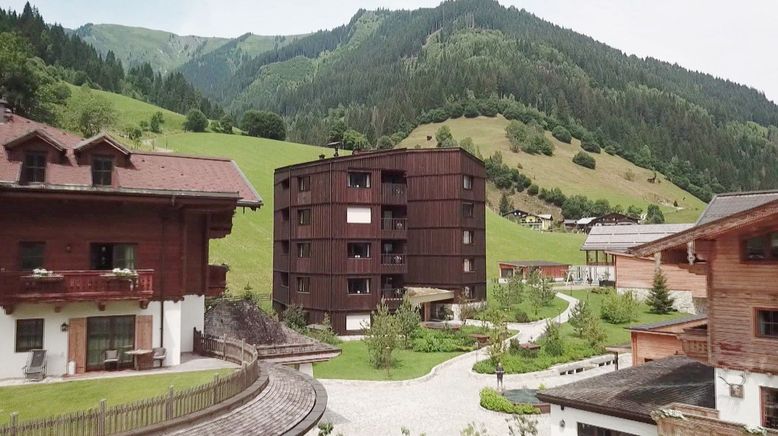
{"type": "Point", "coordinates": [104, 420]}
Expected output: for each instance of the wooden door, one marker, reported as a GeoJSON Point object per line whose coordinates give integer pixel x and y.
{"type": "Point", "coordinates": [144, 325]}
{"type": "Point", "coordinates": [77, 343]}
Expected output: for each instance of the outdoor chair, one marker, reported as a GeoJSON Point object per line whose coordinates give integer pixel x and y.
{"type": "Point", "coordinates": [159, 355]}
{"type": "Point", "coordinates": [35, 369]}
{"type": "Point", "coordinates": [111, 357]}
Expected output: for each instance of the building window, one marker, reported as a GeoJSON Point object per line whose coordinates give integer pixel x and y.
{"type": "Point", "coordinates": [770, 407]}
{"type": "Point", "coordinates": [34, 169]}
{"type": "Point", "coordinates": [358, 250]}
{"type": "Point", "coordinates": [358, 180]}
{"type": "Point", "coordinates": [358, 286]}
{"type": "Point", "coordinates": [467, 292]}
{"type": "Point", "coordinates": [304, 183]}
{"type": "Point", "coordinates": [285, 280]}
{"type": "Point", "coordinates": [358, 215]}
{"type": "Point", "coordinates": [762, 247]}
{"type": "Point", "coordinates": [467, 182]}
{"type": "Point", "coordinates": [102, 171]}
{"type": "Point", "coordinates": [285, 184]}
{"type": "Point", "coordinates": [31, 255]}
{"type": "Point", "coordinates": [303, 249]}
{"type": "Point", "coordinates": [29, 335]}
{"type": "Point", "coordinates": [593, 430]}
{"type": "Point", "coordinates": [467, 210]}
{"type": "Point", "coordinates": [304, 285]}
{"type": "Point", "coordinates": [767, 323]}
{"type": "Point", "coordinates": [110, 256]}
{"type": "Point", "coordinates": [469, 265]}
{"type": "Point", "coordinates": [467, 237]}
{"type": "Point", "coordinates": [304, 217]}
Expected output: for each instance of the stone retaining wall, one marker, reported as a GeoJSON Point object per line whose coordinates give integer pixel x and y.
{"type": "Point", "coordinates": [684, 302]}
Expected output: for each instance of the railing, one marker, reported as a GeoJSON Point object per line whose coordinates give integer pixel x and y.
{"type": "Point", "coordinates": [22, 286]}
{"type": "Point", "coordinates": [393, 259]}
{"type": "Point", "coordinates": [393, 193]}
{"type": "Point", "coordinates": [292, 350]}
{"type": "Point", "coordinates": [392, 294]}
{"type": "Point", "coordinates": [156, 414]}
{"type": "Point", "coordinates": [394, 224]}
{"type": "Point", "coordinates": [694, 342]}
{"type": "Point", "coordinates": [217, 280]}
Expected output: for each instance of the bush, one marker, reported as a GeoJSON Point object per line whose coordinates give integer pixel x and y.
{"type": "Point", "coordinates": [590, 146]}
{"type": "Point", "coordinates": [539, 144]}
{"type": "Point", "coordinates": [294, 318]}
{"type": "Point", "coordinates": [435, 341]}
{"type": "Point", "coordinates": [493, 400]}
{"type": "Point", "coordinates": [264, 125]}
{"type": "Point", "coordinates": [471, 110]}
{"type": "Point", "coordinates": [384, 143]}
{"type": "Point", "coordinates": [195, 121]}
{"type": "Point", "coordinates": [619, 308]}
{"type": "Point", "coordinates": [551, 343]}
{"type": "Point", "coordinates": [515, 363]}
{"type": "Point", "coordinates": [533, 190]}
{"type": "Point", "coordinates": [584, 159]}
{"type": "Point", "coordinates": [562, 134]}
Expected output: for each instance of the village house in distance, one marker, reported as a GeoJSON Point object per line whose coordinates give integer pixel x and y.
{"type": "Point", "coordinates": [352, 230]}
{"type": "Point", "coordinates": [105, 250]}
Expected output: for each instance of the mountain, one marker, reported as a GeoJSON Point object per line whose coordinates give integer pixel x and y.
{"type": "Point", "coordinates": [384, 72]}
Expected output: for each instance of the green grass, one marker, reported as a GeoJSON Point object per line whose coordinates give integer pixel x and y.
{"type": "Point", "coordinates": [606, 181]}
{"type": "Point", "coordinates": [353, 364]}
{"type": "Point", "coordinates": [50, 399]}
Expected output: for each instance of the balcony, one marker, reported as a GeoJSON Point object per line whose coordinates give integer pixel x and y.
{"type": "Point", "coordinates": [392, 297]}
{"type": "Point", "coordinates": [217, 280]}
{"type": "Point", "coordinates": [394, 228]}
{"type": "Point", "coordinates": [695, 343]}
{"type": "Point", "coordinates": [18, 287]}
{"type": "Point", "coordinates": [394, 193]}
{"type": "Point", "coordinates": [394, 263]}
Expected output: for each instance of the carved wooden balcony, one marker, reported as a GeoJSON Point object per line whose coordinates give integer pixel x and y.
{"type": "Point", "coordinates": [217, 280]}
{"type": "Point", "coordinates": [695, 343]}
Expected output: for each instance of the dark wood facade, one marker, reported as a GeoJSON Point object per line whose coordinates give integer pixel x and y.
{"type": "Point", "coordinates": [420, 202]}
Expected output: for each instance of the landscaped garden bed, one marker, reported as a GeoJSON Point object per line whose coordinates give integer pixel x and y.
{"type": "Point", "coordinates": [497, 402]}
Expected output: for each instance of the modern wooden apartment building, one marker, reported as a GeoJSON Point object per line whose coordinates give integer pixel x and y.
{"type": "Point", "coordinates": [352, 230]}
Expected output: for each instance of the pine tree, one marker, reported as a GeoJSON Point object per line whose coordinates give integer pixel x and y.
{"type": "Point", "coordinates": [505, 205]}
{"type": "Point", "coordinates": [659, 299]}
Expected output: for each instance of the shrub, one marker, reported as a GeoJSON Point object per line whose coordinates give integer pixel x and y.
{"type": "Point", "coordinates": [195, 121]}
{"type": "Point", "coordinates": [619, 308]}
{"type": "Point", "coordinates": [539, 144]}
{"type": "Point", "coordinates": [654, 215]}
{"type": "Point", "coordinates": [611, 150]}
{"type": "Point", "coordinates": [325, 334]}
{"type": "Point", "coordinates": [594, 333]}
{"type": "Point", "coordinates": [384, 142]}
{"type": "Point", "coordinates": [589, 144]}
{"type": "Point", "coordinates": [269, 125]}
{"type": "Point", "coordinates": [408, 320]}
{"type": "Point", "coordinates": [294, 318]}
{"type": "Point", "coordinates": [584, 159]}
{"type": "Point", "coordinates": [552, 343]}
{"type": "Point", "coordinates": [533, 190]}
{"type": "Point", "coordinates": [515, 363]}
{"type": "Point", "coordinates": [381, 337]}
{"type": "Point", "coordinates": [579, 316]}
{"type": "Point", "coordinates": [471, 110]}
{"type": "Point", "coordinates": [435, 341]}
{"type": "Point", "coordinates": [493, 400]}
{"type": "Point", "coordinates": [562, 134]}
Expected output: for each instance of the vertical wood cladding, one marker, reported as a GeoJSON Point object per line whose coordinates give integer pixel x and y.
{"type": "Point", "coordinates": [635, 272]}
{"type": "Point", "coordinates": [427, 192]}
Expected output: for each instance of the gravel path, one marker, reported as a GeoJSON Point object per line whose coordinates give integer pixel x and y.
{"type": "Point", "coordinates": [441, 403]}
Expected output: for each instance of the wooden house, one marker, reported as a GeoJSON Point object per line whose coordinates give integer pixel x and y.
{"type": "Point", "coordinates": [551, 270]}
{"type": "Point", "coordinates": [105, 248]}
{"type": "Point", "coordinates": [658, 340]}
{"type": "Point", "coordinates": [353, 230]}
{"type": "Point", "coordinates": [542, 222]}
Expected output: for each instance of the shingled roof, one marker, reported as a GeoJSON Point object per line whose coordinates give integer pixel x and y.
{"type": "Point", "coordinates": [632, 393]}
{"type": "Point", "coordinates": [723, 205]}
{"type": "Point", "coordinates": [146, 173]}
{"type": "Point", "coordinates": [620, 238]}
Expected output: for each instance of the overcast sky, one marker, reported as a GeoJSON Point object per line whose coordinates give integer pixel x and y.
{"type": "Point", "coordinates": [735, 39]}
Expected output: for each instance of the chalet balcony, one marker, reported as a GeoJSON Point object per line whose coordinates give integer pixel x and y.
{"type": "Point", "coordinates": [394, 193]}
{"type": "Point", "coordinates": [217, 280]}
{"type": "Point", "coordinates": [695, 343]}
{"type": "Point", "coordinates": [18, 287]}
{"type": "Point", "coordinates": [394, 263]}
{"type": "Point", "coordinates": [394, 228]}
{"type": "Point", "coordinates": [392, 297]}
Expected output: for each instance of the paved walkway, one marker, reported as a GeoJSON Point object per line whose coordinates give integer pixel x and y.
{"type": "Point", "coordinates": [288, 399]}
{"type": "Point", "coordinates": [441, 403]}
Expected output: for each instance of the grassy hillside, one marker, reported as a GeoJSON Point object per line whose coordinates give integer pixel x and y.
{"type": "Point", "coordinates": [607, 181]}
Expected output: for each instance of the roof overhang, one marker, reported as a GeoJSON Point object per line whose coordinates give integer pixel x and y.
{"type": "Point", "coordinates": [420, 295]}
{"type": "Point", "coordinates": [37, 133]}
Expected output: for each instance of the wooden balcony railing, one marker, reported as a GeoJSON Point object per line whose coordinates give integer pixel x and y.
{"type": "Point", "coordinates": [394, 193]}
{"type": "Point", "coordinates": [217, 280]}
{"type": "Point", "coordinates": [394, 224]}
{"type": "Point", "coordinates": [69, 286]}
{"type": "Point", "coordinates": [694, 342]}
{"type": "Point", "coordinates": [393, 259]}
{"type": "Point", "coordinates": [687, 420]}
{"type": "Point", "coordinates": [392, 297]}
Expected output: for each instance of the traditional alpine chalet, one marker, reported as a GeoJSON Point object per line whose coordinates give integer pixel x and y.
{"type": "Point", "coordinates": [352, 230]}
{"type": "Point", "coordinates": [105, 250]}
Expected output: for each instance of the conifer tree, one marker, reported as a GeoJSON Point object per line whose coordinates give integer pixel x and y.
{"type": "Point", "coordinates": [659, 299]}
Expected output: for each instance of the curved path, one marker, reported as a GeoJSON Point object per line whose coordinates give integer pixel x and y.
{"type": "Point", "coordinates": [441, 403]}
{"type": "Point", "coordinates": [290, 404]}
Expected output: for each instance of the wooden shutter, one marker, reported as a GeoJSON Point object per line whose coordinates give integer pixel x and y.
{"type": "Point", "coordinates": [77, 343]}
{"type": "Point", "coordinates": [143, 331]}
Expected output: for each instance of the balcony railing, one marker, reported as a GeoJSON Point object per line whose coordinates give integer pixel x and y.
{"type": "Point", "coordinates": [394, 193]}
{"type": "Point", "coordinates": [64, 286]}
{"type": "Point", "coordinates": [393, 259]}
{"type": "Point", "coordinates": [695, 343]}
{"type": "Point", "coordinates": [217, 280]}
{"type": "Point", "coordinates": [392, 297]}
{"type": "Point", "coordinates": [394, 224]}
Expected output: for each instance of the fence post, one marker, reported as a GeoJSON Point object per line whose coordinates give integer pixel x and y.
{"type": "Point", "coordinates": [169, 403]}
{"type": "Point", "coordinates": [101, 419]}
{"type": "Point", "coordinates": [224, 347]}
{"type": "Point", "coordinates": [215, 389]}
{"type": "Point", "coordinates": [242, 349]}
{"type": "Point", "coordinates": [245, 375]}
{"type": "Point", "coordinates": [14, 418]}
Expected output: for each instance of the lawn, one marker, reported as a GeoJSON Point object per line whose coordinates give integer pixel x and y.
{"type": "Point", "coordinates": [353, 364]}
{"type": "Point", "coordinates": [48, 399]}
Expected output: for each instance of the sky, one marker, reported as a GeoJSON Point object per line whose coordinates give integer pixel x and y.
{"type": "Point", "coordinates": [734, 39]}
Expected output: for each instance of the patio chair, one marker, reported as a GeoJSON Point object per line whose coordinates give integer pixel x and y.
{"type": "Point", "coordinates": [111, 357]}
{"type": "Point", "coordinates": [159, 355]}
{"type": "Point", "coordinates": [35, 369]}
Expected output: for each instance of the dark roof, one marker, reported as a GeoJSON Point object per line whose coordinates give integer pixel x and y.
{"type": "Point", "coordinates": [668, 323]}
{"type": "Point", "coordinates": [355, 156]}
{"type": "Point", "coordinates": [532, 263]}
{"type": "Point", "coordinates": [632, 393]}
{"type": "Point", "coordinates": [145, 174]}
{"type": "Point", "coordinates": [723, 205]}
{"type": "Point", "coordinates": [620, 238]}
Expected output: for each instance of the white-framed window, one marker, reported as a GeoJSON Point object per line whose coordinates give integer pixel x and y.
{"type": "Point", "coordinates": [357, 321]}
{"type": "Point", "coordinates": [358, 250]}
{"type": "Point", "coordinates": [304, 285]}
{"type": "Point", "coordinates": [358, 215]}
{"type": "Point", "coordinates": [358, 180]}
{"type": "Point", "coordinates": [469, 265]}
{"type": "Point", "coordinates": [467, 181]}
{"type": "Point", "coordinates": [358, 286]}
{"type": "Point", "coordinates": [467, 237]}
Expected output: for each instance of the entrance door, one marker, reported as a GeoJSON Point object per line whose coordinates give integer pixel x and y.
{"type": "Point", "coordinates": [109, 333]}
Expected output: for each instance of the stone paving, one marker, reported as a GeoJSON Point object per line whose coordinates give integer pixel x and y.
{"type": "Point", "coordinates": [287, 399]}
{"type": "Point", "coordinates": [441, 403]}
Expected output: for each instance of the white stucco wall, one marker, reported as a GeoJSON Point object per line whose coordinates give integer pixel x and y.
{"type": "Point", "coordinates": [683, 301]}
{"type": "Point", "coordinates": [572, 417]}
{"type": "Point", "coordinates": [172, 333]}
{"type": "Point", "coordinates": [55, 341]}
{"type": "Point", "coordinates": [192, 316]}
{"type": "Point", "coordinates": [746, 410]}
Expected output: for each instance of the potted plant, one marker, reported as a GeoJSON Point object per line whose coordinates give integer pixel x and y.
{"type": "Point", "coordinates": [42, 274]}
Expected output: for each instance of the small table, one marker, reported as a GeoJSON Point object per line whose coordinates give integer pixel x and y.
{"type": "Point", "coordinates": [142, 359]}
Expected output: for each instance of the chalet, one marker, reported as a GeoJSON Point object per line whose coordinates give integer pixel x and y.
{"type": "Point", "coordinates": [533, 221]}
{"type": "Point", "coordinates": [551, 270]}
{"type": "Point", "coordinates": [106, 249]}
{"type": "Point", "coordinates": [658, 340]}
{"type": "Point", "coordinates": [586, 224]}
{"type": "Point", "coordinates": [354, 230]}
